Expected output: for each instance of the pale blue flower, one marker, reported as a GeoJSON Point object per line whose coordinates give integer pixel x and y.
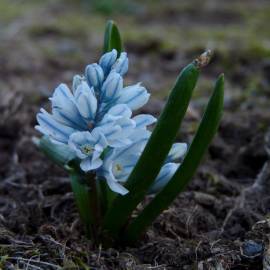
{"type": "Point", "coordinates": [117, 125]}
{"type": "Point", "coordinates": [118, 164]}
{"type": "Point", "coordinates": [88, 148]}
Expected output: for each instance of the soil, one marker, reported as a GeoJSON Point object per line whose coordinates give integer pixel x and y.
{"type": "Point", "coordinates": [220, 222]}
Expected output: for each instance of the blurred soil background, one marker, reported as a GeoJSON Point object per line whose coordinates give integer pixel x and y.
{"type": "Point", "coordinates": [222, 220]}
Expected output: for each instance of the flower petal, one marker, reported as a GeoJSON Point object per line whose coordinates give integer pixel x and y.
{"type": "Point", "coordinates": [49, 126]}
{"type": "Point", "coordinates": [127, 126]}
{"type": "Point", "coordinates": [135, 96]}
{"type": "Point", "coordinates": [127, 163]}
{"type": "Point", "coordinates": [89, 165]}
{"type": "Point", "coordinates": [164, 176]}
{"type": "Point", "coordinates": [139, 135]}
{"type": "Point", "coordinates": [144, 120]}
{"type": "Point", "coordinates": [177, 151]}
{"type": "Point", "coordinates": [111, 87]}
{"type": "Point", "coordinates": [110, 132]}
{"type": "Point", "coordinates": [114, 186]}
{"type": "Point", "coordinates": [77, 80]}
{"type": "Point", "coordinates": [120, 110]}
{"type": "Point", "coordinates": [94, 75]}
{"type": "Point", "coordinates": [86, 101]}
{"type": "Point", "coordinates": [107, 60]}
{"type": "Point", "coordinates": [121, 64]}
{"type": "Point", "coordinates": [64, 109]}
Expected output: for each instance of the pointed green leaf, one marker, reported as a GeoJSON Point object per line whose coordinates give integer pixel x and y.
{"type": "Point", "coordinates": [155, 152]}
{"type": "Point", "coordinates": [112, 38]}
{"type": "Point", "coordinates": [181, 178]}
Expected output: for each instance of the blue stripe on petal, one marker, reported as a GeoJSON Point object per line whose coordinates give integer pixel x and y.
{"type": "Point", "coordinates": [120, 110]}
{"type": "Point", "coordinates": [107, 60]}
{"type": "Point", "coordinates": [177, 151]}
{"type": "Point", "coordinates": [64, 109]}
{"type": "Point", "coordinates": [134, 96]}
{"type": "Point", "coordinates": [50, 127]}
{"type": "Point", "coordinates": [94, 75]}
{"type": "Point", "coordinates": [144, 120]}
{"type": "Point", "coordinates": [121, 64]}
{"type": "Point", "coordinates": [164, 176]}
{"type": "Point", "coordinates": [86, 102]}
{"type": "Point", "coordinates": [111, 87]}
{"type": "Point", "coordinates": [77, 80]}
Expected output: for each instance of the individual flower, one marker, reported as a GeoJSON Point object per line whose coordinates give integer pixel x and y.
{"type": "Point", "coordinates": [88, 148]}
{"type": "Point", "coordinates": [118, 164]}
{"type": "Point", "coordinates": [117, 125]}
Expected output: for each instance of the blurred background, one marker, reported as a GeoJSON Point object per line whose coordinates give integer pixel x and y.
{"type": "Point", "coordinates": [43, 43]}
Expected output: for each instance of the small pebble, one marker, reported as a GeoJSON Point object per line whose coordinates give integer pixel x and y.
{"type": "Point", "coordinates": [251, 249]}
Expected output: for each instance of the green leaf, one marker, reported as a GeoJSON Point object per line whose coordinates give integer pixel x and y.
{"type": "Point", "coordinates": [58, 153]}
{"type": "Point", "coordinates": [112, 38]}
{"type": "Point", "coordinates": [183, 175]}
{"type": "Point", "coordinates": [155, 152]}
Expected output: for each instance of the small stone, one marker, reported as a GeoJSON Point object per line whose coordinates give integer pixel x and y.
{"type": "Point", "coordinates": [251, 249]}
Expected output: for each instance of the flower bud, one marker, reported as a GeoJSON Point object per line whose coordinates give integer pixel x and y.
{"type": "Point", "coordinates": [94, 75]}
{"type": "Point", "coordinates": [107, 60]}
{"type": "Point", "coordinates": [121, 64]}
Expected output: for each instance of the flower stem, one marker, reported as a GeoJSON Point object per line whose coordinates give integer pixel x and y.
{"type": "Point", "coordinates": [82, 199]}
{"type": "Point", "coordinates": [85, 193]}
{"type": "Point", "coordinates": [94, 201]}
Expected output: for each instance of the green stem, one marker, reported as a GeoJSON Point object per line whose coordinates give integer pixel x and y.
{"type": "Point", "coordinates": [85, 193]}
{"type": "Point", "coordinates": [82, 198]}
{"type": "Point", "coordinates": [102, 195]}
{"type": "Point", "coordinates": [94, 203]}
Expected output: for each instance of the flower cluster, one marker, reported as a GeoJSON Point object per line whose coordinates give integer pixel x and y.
{"type": "Point", "coordinates": [95, 121]}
